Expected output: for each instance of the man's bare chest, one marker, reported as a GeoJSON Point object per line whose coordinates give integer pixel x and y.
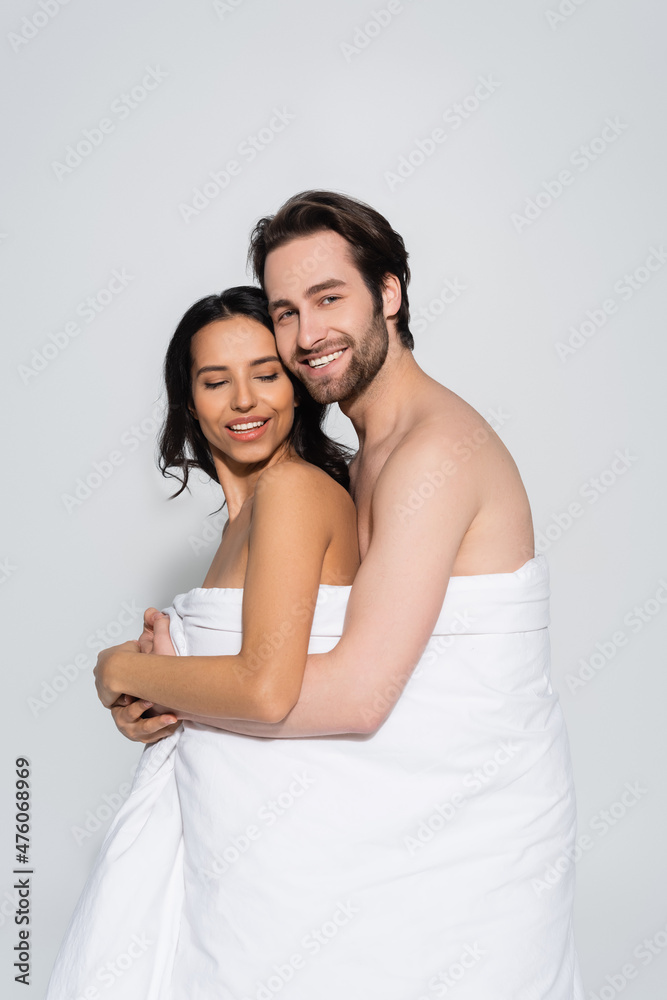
{"type": "Point", "coordinates": [363, 479]}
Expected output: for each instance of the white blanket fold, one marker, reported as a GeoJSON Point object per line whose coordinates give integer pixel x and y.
{"type": "Point", "coordinates": [397, 866]}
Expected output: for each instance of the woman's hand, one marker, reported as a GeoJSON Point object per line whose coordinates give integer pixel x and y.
{"type": "Point", "coordinates": [143, 721]}
{"type": "Point", "coordinates": [104, 670]}
{"type": "Point", "coordinates": [155, 638]}
{"type": "Point", "coordinates": [162, 644]}
{"type": "Point", "coordinates": [147, 637]}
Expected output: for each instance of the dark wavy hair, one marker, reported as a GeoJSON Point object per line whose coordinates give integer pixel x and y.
{"type": "Point", "coordinates": [182, 444]}
{"type": "Point", "coordinates": [375, 248]}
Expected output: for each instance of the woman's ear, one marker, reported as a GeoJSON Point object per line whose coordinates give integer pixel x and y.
{"type": "Point", "coordinates": [193, 412]}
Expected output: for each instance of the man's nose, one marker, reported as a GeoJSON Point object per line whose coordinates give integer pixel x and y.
{"type": "Point", "coordinates": [312, 330]}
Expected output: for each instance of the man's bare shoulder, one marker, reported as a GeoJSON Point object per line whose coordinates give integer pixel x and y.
{"type": "Point", "coordinates": [451, 443]}
{"type": "Point", "coordinates": [452, 457]}
{"type": "Point", "coordinates": [448, 427]}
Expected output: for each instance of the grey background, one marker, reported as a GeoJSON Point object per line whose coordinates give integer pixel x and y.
{"type": "Point", "coordinates": [68, 568]}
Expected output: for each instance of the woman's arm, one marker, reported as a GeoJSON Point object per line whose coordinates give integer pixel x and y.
{"type": "Point", "coordinates": [289, 535]}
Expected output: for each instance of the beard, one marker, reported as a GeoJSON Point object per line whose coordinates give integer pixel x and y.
{"type": "Point", "coordinates": [366, 358]}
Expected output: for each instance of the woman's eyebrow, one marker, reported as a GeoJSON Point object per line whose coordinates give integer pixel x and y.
{"type": "Point", "coordinates": [269, 357]}
{"type": "Point", "coordinates": [225, 368]}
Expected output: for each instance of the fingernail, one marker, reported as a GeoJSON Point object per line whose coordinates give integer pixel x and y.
{"type": "Point", "coordinates": [147, 703]}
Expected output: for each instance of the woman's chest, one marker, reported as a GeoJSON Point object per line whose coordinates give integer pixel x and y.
{"type": "Point", "coordinates": [228, 566]}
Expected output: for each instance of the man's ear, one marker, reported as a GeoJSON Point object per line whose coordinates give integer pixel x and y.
{"type": "Point", "coordinates": [391, 295]}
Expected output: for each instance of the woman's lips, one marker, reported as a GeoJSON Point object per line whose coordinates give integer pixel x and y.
{"type": "Point", "coordinates": [249, 435]}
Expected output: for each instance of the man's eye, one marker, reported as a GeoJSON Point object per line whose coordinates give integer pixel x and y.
{"type": "Point", "coordinates": [330, 298]}
{"type": "Point", "coordinates": [286, 315]}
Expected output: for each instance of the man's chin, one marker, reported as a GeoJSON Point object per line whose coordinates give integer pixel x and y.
{"type": "Point", "coordinates": [338, 388]}
{"type": "Point", "coordinates": [322, 390]}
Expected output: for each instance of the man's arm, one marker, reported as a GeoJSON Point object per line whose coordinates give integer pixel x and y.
{"type": "Point", "coordinates": [424, 502]}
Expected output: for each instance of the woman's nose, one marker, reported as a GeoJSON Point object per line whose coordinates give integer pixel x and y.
{"type": "Point", "coordinates": [244, 397]}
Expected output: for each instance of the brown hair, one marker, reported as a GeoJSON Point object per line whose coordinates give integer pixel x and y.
{"type": "Point", "coordinates": [375, 248]}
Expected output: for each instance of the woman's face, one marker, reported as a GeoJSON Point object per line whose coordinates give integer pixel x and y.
{"type": "Point", "coordinates": [242, 395]}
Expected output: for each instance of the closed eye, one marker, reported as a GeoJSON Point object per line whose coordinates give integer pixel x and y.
{"type": "Point", "coordinates": [268, 378]}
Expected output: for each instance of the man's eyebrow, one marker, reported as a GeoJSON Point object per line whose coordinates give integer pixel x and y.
{"type": "Point", "coordinates": [322, 286]}
{"type": "Point", "coordinates": [225, 368]}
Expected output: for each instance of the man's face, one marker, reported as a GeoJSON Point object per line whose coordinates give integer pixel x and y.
{"type": "Point", "coordinates": [327, 331]}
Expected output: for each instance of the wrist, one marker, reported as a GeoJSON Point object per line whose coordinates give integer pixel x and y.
{"type": "Point", "coordinates": [117, 673]}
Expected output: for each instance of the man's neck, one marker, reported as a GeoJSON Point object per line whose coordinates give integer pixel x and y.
{"type": "Point", "coordinates": [388, 405]}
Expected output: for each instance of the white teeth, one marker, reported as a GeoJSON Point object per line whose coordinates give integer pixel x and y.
{"type": "Point", "coordinates": [247, 427]}
{"type": "Point", "coordinates": [320, 362]}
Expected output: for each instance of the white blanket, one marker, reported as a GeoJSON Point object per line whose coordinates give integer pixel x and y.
{"type": "Point", "coordinates": [423, 861]}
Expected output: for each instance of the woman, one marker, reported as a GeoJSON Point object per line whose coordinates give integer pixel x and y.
{"type": "Point", "coordinates": [292, 526]}
{"type": "Point", "coordinates": [290, 542]}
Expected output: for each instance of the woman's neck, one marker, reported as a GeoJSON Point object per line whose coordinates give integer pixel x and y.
{"type": "Point", "coordinates": [238, 481]}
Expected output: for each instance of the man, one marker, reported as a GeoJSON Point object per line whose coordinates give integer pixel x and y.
{"type": "Point", "coordinates": [439, 499]}
{"type": "Point", "coordinates": [325, 302]}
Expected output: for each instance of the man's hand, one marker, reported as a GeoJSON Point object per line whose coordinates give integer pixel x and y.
{"type": "Point", "coordinates": [128, 716]}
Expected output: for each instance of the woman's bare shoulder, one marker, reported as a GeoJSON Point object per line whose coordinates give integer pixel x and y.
{"type": "Point", "coordinates": [304, 478]}
{"type": "Point", "coordinates": [292, 469]}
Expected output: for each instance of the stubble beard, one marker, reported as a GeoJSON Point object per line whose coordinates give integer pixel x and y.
{"type": "Point", "coordinates": [367, 357]}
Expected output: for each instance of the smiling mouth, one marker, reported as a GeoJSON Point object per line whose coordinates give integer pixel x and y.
{"type": "Point", "coordinates": [244, 428]}
{"type": "Point", "coordinates": [324, 360]}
